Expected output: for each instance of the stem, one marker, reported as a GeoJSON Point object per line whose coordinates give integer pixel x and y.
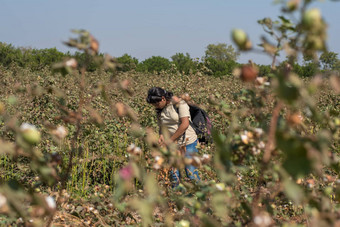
{"type": "Point", "coordinates": [74, 146]}
{"type": "Point", "coordinates": [271, 137]}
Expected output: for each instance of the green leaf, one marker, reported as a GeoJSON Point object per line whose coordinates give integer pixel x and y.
{"type": "Point", "coordinates": [293, 191]}
{"type": "Point", "coordinates": [145, 209]}
{"type": "Point", "coordinates": [223, 149]}
{"type": "Point", "coordinates": [209, 221]}
{"type": "Point", "coordinates": [151, 186]}
{"type": "Point", "coordinates": [296, 163]}
{"type": "Point", "coordinates": [288, 92]}
{"type": "Point", "coordinates": [284, 20]}
{"type": "Point", "coordinates": [219, 204]}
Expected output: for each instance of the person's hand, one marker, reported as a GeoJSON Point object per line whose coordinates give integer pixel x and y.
{"type": "Point", "coordinates": [161, 141]}
{"type": "Point", "coordinates": [175, 99]}
{"type": "Point", "coordinates": [182, 150]}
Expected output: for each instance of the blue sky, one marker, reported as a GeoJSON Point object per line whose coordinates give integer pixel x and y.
{"type": "Point", "coordinates": [145, 28]}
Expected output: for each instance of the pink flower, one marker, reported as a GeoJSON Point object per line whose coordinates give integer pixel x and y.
{"type": "Point", "coordinates": [126, 172]}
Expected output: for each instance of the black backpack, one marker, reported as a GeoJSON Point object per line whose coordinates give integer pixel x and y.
{"type": "Point", "coordinates": [200, 122]}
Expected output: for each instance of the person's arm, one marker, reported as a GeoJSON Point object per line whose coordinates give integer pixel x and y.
{"type": "Point", "coordinates": [161, 140]}
{"type": "Point", "coordinates": [181, 128]}
{"type": "Point", "coordinates": [161, 137]}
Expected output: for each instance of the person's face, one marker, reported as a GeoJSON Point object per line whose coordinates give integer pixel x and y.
{"type": "Point", "coordinates": [161, 104]}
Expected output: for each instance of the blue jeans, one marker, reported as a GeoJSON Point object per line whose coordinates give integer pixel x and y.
{"type": "Point", "coordinates": [190, 170]}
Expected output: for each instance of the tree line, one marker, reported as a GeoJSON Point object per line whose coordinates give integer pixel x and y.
{"type": "Point", "coordinates": [219, 60]}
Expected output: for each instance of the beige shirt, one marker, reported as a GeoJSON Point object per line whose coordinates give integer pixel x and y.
{"type": "Point", "coordinates": [170, 119]}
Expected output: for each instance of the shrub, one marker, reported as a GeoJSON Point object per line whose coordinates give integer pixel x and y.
{"type": "Point", "coordinates": [264, 70]}
{"type": "Point", "coordinates": [310, 69]}
{"type": "Point", "coordinates": [307, 70]}
{"type": "Point", "coordinates": [35, 59]}
{"type": "Point", "coordinates": [154, 64]}
{"type": "Point", "coordinates": [10, 54]}
{"type": "Point", "coordinates": [92, 63]}
{"type": "Point", "coordinates": [127, 63]}
{"type": "Point", "coordinates": [220, 67]}
{"type": "Point", "coordinates": [184, 63]}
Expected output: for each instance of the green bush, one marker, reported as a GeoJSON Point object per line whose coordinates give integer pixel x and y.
{"type": "Point", "coordinates": [220, 67]}
{"type": "Point", "coordinates": [264, 70]}
{"type": "Point", "coordinates": [154, 64]}
{"type": "Point", "coordinates": [92, 63]}
{"type": "Point", "coordinates": [310, 69]}
{"type": "Point", "coordinates": [35, 59]}
{"type": "Point", "coordinates": [127, 63]}
{"type": "Point", "coordinates": [184, 63]}
{"type": "Point", "coordinates": [9, 54]}
{"type": "Point", "coordinates": [307, 70]}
